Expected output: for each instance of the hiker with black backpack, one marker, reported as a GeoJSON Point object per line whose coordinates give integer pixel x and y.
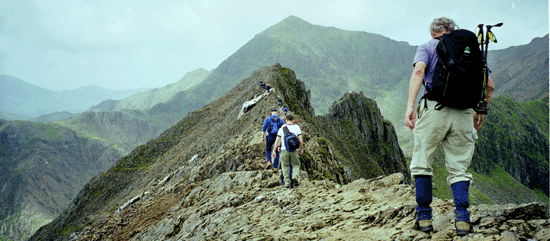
{"type": "Point", "coordinates": [450, 67]}
{"type": "Point", "coordinates": [271, 126]}
{"type": "Point", "coordinates": [291, 144]}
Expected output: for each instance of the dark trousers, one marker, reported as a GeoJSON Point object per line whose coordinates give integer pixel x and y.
{"type": "Point", "coordinates": [269, 141]}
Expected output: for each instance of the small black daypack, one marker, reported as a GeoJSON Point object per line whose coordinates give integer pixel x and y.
{"type": "Point", "coordinates": [458, 75]}
{"type": "Point", "coordinates": [291, 140]}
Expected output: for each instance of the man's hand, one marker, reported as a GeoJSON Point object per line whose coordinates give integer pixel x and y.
{"type": "Point", "coordinates": [301, 151]}
{"type": "Point", "coordinates": [273, 155]}
{"type": "Point", "coordinates": [263, 140]}
{"type": "Point", "coordinates": [410, 117]}
{"type": "Point", "coordinates": [478, 121]}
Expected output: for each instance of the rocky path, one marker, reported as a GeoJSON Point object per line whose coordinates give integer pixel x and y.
{"type": "Point", "coordinates": [250, 205]}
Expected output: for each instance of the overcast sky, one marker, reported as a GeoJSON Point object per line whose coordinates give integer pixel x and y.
{"type": "Point", "coordinates": [129, 44]}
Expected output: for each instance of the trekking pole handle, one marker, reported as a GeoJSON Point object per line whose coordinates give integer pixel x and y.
{"type": "Point", "coordinates": [490, 26]}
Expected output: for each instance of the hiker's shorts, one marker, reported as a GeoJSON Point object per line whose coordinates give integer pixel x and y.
{"type": "Point", "coordinates": [453, 129]}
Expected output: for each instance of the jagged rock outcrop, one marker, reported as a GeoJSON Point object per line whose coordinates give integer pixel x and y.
{"type": "Point", "coordinates": [376, 147]}
{"type": "Point", "coordinates": [217, 142]}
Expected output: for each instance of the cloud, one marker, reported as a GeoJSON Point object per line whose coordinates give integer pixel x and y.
{"type": "Point", "coordinates": [121, 25]}
{"type": "Point", "coordinates": [94, 42]}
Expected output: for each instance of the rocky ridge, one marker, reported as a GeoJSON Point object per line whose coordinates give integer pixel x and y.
{"type": "Point", "coordinates": [251, 206]}
{"type": "Point", "coordinates": [205, 179]}
{"type": "Point", "coordinates": [223, 143]}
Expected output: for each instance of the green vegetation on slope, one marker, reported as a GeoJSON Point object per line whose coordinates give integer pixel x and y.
{"type": "Point", "coordinates": [512, 138]}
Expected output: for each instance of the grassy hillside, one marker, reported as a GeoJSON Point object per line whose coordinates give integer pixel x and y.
{"type": "Point", "coordinates": [147, 99]}
{"type": "Point", "coordinates": [512, 138]}
{"type": "Point", "coordinates": [495, 186]}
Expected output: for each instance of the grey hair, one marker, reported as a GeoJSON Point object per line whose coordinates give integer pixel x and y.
{"type": "Point", "coordinates": [443, 25]}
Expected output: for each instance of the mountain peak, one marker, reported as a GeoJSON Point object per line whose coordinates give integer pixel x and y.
{"type": "Point", "coordinates": [290, 25]}
{"type": "Point", "coordinates": [294, 20]}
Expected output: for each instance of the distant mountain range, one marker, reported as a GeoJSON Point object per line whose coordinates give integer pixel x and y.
{"type": "Point", "coordinates": [521, 72]}
{"type": "Point", "coordinates": [147, 99]}
{"type": "Point", "coordinates": [24, 101]}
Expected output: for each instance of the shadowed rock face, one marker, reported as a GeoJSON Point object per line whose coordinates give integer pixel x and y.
{"type": "Point", "coordinates": [355, 116]}
{"type": "Point", "coordinates": [205, 178]}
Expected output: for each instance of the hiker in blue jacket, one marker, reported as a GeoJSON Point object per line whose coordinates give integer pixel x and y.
{"type": "Point", "coordinates": [269, 133]}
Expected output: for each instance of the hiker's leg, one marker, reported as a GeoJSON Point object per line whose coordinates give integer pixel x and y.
{"type": "Point", "coordinates": [276, 161]}
{"type": "Point", "coordinates": [461, 200]}
{"type": "Point", "coordinates": [459, 150]}
{"type": "Point", "coordinates": [285, 166]}
{"type": "Point", "coordinates": [423, 187]}
{"type": "Point", "coordinates": [459, 146]}
{"type": "Point", "coordinates": [289, 171]}
{"type": "Point", "coordinates": [429, 131]}
{"type": "Point", "coordinates": [269, 140]}
{"type": "Point", "coordinates": [295, 163]}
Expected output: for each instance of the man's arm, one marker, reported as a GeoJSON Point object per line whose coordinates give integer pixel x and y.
{"type": "Point", "coordinates": [276, 147]}
{"type": "Point", "coordinates": [490, 89]}
{"type": "Point", "coordinates": [414, 86]}
{"type": "Point", "coordinates": [264, 127]}
{"type": "Point", "coordinates": [479, 119]}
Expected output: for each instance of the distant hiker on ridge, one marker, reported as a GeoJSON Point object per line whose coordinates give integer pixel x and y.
{"type": "Point", "coordinates": [267, 87]}
{"type": "Point", "coordinates": [271, 126]}
{"type": "Point", "coordinates": [285, 109]}
{"type": "Point", "coordinates": [438, 123]}
{"type": "Point", "coordinates": [290, 139]}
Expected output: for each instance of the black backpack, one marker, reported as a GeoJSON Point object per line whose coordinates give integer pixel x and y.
{"type": "Point", "coordinates": [291, 140]}
{"type": "Point", "coordinates": [458, 75]}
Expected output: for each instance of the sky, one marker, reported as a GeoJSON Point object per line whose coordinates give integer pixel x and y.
{"type": "Point", "coordinates": [131, 44]}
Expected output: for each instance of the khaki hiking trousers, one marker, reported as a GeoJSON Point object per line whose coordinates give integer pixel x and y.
{"type": "Point", "coordinates": [454, 130]}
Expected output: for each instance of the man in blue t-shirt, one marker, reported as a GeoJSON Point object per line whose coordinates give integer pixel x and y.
{"type": "Point", "coordinates": [270, 128]}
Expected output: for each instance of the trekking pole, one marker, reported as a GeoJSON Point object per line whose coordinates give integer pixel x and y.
{"type": "Point", "coordinates": [481, 107]}
{"type": "Point", "coordinates": [489, 37]}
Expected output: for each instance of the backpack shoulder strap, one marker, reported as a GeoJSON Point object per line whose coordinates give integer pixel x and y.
{"type": "Point", "coordinates": [285, 130]}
